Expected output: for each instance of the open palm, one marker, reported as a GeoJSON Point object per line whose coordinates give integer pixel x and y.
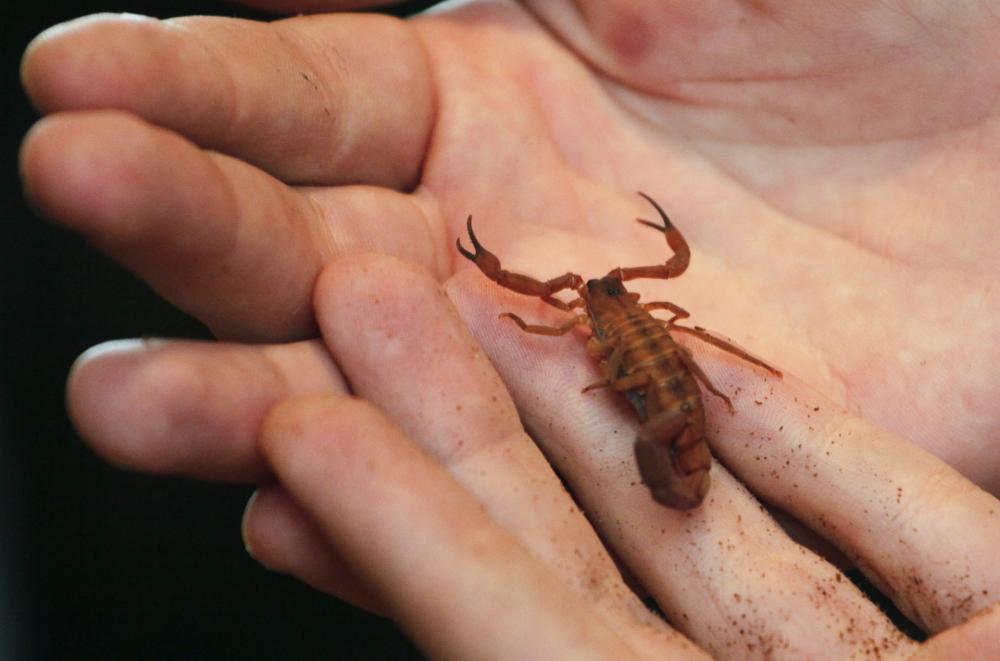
{"type": "Point", "coordinates": [834, 176]}
{"type": "Point", "coordinates": [813, 158]}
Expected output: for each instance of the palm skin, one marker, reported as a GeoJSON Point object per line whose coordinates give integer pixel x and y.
{"type": "Point", "coordinates": [816, 188]}
{"type": "Point", "coordinates": [809, 157]}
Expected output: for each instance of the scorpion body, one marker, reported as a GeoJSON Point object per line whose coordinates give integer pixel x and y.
{"type": "Point", "coordinates": [656, 374]}
{"type": "Point", "coordinates": [640, 358]}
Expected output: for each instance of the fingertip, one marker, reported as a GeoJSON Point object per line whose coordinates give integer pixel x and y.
{"type": "Point", "coordinates": [74, 25]}
{"type": "Point", "coordinates": [173, 407]}
{"type": "Point", "coordinates": [110, 350]}
{"type": "Point", "coordinates": [44, 156]}
{"type": "Point", "coordinates": [101, 400]}
{"type": "Point", "coordinates": [270, 527]}
{"type": "Point", "coordinates": [248, 529]}
{"type": "Point", "coordinates": [281, 537]}
{"type": "Point", "coordinates": [95, 171]}
{"type": "Point", "coordinates": [58, 69]}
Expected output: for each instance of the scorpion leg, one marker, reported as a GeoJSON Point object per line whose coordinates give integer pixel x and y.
{"type": "Point", "coordinates": [725, 345]}
{"type": "Point", "coordinates": [489, 264]}
{"type": "Point", "coordinates": [688, 360]}
{"type": "Point", "coordinates": [547, 330]}
{"type": "Point", "coordinates": [679, 312]}
{"type": "Point", "coordinates": [674, 266]}
{"type": "Point", "coordinates": [673, 460]}
{"type": "Point", "coordinates": [625, 383]}
{"type": "Point", "coordinates": [609, 362]}
{"type": "Point", "coordinates": [611, 365]}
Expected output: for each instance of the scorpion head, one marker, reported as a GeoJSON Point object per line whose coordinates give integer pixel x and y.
{"type": "Point", "coordinates": [607, 296]}
{"type": "Point", "coordinates": [605, 288]}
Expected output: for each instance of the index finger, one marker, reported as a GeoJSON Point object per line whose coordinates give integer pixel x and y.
{"type": "Point", "coordinates": [318, 100]}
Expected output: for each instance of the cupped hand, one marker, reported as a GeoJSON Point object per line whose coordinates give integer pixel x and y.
{"type": "Point", "coordinates": [812, 159]}
{"type": "Point", "coordinates": [418, 493]}
{"type": "Point", "coordinates": [832, 168]}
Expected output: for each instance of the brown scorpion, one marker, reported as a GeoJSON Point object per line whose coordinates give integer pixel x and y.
{"type": "Point", "coordinates": [639, 357]}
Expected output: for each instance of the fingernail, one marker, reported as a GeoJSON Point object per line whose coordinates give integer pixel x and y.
{"type": "Point", "coordinates": [119, 347]}
{"type": "Point", "coordinates": [247, 513]}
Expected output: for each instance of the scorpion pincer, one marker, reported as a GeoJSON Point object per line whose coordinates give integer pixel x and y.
{"type": "Point", "coordinates": [640, 358]}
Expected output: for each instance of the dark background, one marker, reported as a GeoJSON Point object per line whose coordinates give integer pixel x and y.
{"type": "Point", "coordinates": [97, 563]}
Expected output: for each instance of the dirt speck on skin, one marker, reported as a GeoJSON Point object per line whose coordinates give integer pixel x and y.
{"type": "Point", "coordinates": [853, 630]}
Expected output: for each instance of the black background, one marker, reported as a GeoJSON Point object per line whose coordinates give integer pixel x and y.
{"type": "Point", "coordinates": [95, 562]}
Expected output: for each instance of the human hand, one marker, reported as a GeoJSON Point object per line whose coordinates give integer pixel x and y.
{"type": "Point", "coordinates": [422, 497]}
{"type": "Point", "coordinates": [812, 159]}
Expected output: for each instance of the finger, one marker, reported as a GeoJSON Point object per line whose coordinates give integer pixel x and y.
{"type": "Point", "coordinates": [923, 534]}
{"type": "Point", "coordinates": [222, 240]}
{"type": "Point", "coordinates": [283, 538]}
{"type": "Point", "coordinates": [318, 100]}
{"type": "Point", "coordinates": [403, 347]}
{"type": "Point", "coordinates": [315, 6]}
{"type": "Point", "coordinates": [189, 408]}
{"type": "Point", "coordinates": [976, 640]}
{"type": "Point", "coordinates": [724, 573]}
{"type": "Point", "coordinates": [461, 586]}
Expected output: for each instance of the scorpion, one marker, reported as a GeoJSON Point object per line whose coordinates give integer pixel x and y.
{"type": "Point", "coordinates": [640, 358]}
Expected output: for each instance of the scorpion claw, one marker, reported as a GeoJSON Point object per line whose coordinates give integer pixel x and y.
{"type": "Point", "coordinates": [487, 262]}
{"type": "Point", "coordinates": [465, 253]}
{"type": "Point", "coordinates": [667, 225]}
{"type": "Point", "coordinates": [472, 235]}
{"type": "Point", "coordinates": [475, 244]}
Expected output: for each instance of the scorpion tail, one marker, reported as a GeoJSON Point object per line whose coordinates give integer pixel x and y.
{"type": "Point", "coordinates": [673, 463]}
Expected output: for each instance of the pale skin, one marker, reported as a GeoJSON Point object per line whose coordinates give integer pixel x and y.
{"type": "Point", "coordinates": [832, 168]}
